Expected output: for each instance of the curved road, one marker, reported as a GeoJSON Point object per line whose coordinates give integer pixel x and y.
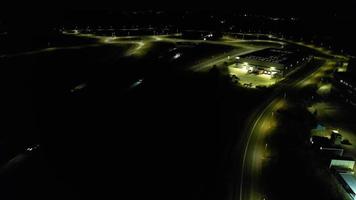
{"type": "Point", "coordinates": [262, 123]}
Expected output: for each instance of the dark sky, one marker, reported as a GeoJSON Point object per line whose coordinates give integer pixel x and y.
{"type": "Point", "coordinates": [42, 13]}
{"type": "Point", "coordinates": [309, 7]}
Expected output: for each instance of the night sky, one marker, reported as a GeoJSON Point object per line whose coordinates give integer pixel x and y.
{"type": "Point", "coordinates": [325, 19]}
{"type": "Point", "coordinates": [298, 7]}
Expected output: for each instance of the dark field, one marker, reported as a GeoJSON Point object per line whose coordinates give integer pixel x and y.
{"type": "Point", "coordinates": [176, 133]}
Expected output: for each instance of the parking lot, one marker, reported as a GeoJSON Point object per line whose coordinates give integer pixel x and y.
{"type": "Point", "coordinates": [248, 79]}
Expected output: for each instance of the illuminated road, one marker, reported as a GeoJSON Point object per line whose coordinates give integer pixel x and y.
{"type": "Point", "coordinates": [143, 43]}
{"type": "Point", "coordinates": [209, 63]}
{"type": "Point", "coordinates": [262, 124]}
{"type": "Point", "coordinates": [18, 159]}
{"type": "Point", "coordinates": [255, 150]}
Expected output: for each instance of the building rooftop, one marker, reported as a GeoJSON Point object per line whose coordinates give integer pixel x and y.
{"type": "Point", "coordinates": [278, 58]}
{"type": "Point", "coordinates": [350, 180]}
{"type": "Point", "coordinates": [270, 55]}
{"type": "Point", "coordinates": [320, 141]}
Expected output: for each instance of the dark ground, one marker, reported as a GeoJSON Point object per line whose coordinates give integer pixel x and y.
{"type": "Point", "coordinates": [171, 137]}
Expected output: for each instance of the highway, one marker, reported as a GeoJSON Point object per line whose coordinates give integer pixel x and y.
{"type": "Point", "coordinates": [254, 151]}
{"type": "Point", "coordinates": [216, 60]}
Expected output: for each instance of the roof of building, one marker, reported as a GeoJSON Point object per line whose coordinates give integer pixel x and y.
{"type": "Point", "coordinates": [270, 55]}
{"type": "Point", "coordinates": [343, 164]}
{"type": "Point", "coordinates": [350, 180]}
{"type": "Point", "coordinates": [345, 158]}
{"type": "Point", "coordinates": [275, 57]}
{"type": "Point", "coordinates": [320, 141]}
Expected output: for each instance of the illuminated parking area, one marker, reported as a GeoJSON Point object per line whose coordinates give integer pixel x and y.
{"type": "Point", "coordinates": [249, 79]}
{"type": "Point", "coordinates": [324, 89]}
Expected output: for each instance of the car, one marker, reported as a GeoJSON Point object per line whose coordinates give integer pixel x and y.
{"type": "Point", "coordinates": [33, 148]}
{"type": "Point", "coordinates": [264, 198]}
